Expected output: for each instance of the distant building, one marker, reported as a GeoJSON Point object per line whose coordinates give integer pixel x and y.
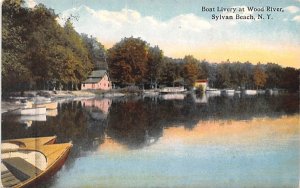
{"type": "Point", "coordinates": [98, 79]}
{"type": "Point", "coordinates": [201, 83]}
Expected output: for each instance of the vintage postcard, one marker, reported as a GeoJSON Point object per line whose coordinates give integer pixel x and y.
{"type": "Point", "coordinates": [151, 93]}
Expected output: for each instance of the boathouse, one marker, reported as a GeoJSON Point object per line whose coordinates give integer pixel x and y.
{"type": "Point", "coordinates": [98, 79]}
{"type": "Point", "coordinates": [201, 83]}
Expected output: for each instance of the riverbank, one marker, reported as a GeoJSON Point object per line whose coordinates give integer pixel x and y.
{"type": "Point", "coordinates": [14, 100]}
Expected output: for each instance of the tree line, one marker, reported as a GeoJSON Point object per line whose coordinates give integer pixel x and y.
{"type": "Point", "coordinates": [133, 61]}
{"type": "Point", "coordinates": [38, 53]}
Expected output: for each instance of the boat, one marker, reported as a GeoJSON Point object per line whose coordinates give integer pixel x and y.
{"type": "Point", "coordinates": [27, 161]}
{"type": "Point", "coordinates": [261, 91]}
{"type": "Point", "coordinates": [48, 105]}
{"type": "Point", "coordinates": [229, 92]}
{"type": "Point", "coordinates": [30, 111]}
{"type": "Point", "coordinates": [173, 90]}
{"type": "Point", "coordinates": [250, 92]}
{"type": "Point", "coordinates": [41, 117]}
{"type": "Point", "coordinates": [150, 93]}
{"type": "Point", "coordinates": [41, 99]}
{"type": "Point", "coordinates": [213, 91]}
{"type": "Point", "coordinates": [52, 112]}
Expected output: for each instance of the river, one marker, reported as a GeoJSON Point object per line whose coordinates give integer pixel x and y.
{"type": "Point", "coordinates": [172, 141]}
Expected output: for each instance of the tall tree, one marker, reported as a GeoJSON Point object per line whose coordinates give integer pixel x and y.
{"type": "Point", "coordinates": [154, 65]}
{"type": "Point", "coordinates": [190, 70]}
{"type": "Point", "coordinates": [97, 52]}
{"type": "Point", "coordinates": [15, 72]}
{"type": "Point", "coordinates": [259, 76]}
{"type": "Point", "coordinates": [127, 61]}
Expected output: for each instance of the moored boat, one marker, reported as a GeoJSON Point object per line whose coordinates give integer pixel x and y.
{"type": "Point", "coordinates": [213, 91]}
{"type": "Point", "coordinates": [47, 105]}
{"type": "Point", "coordinates": [250, 92]}
{"type": "Point", "coordinates": [229, 92]}
{"type": "Point", "coordinates": [172, 90]}
{"type": "Point", "coordinates": [30, 111]}
{"type": "Point", "coordinates": [28, 161]}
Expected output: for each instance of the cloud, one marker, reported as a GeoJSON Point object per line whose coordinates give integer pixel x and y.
{"type": "Point", "coordinates": [292, 9]}
{"type": "Point", "coordinates": [113, 25]}
{"type": "Point", "coordinates": [296, 18]}
{"type": "Point", "coordinates": [30, 3]}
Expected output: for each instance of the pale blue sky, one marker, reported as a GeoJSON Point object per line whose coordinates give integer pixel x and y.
{"type": "Point", "coordinates": [180, 27]}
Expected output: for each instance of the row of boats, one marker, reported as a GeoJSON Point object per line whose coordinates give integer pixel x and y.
{"type": "Point", "coordinates": [36, 106]}
{"type": "Point", "coordinates": [215, 91]}
{"type": "Point", "coordinates": [27, 161]}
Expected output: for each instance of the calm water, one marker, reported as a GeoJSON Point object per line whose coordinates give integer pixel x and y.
{"type": "Point", "coordinates": [172, 141]}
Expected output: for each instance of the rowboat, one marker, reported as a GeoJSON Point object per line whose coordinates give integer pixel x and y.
{"type": "Point", "coordinates": [213, 91]}
{"type": "Point", "coordinates": [30, 111]}
{"type": "Point", "coordinates": [173, 90]}
{"type": "Point", "coordinates": [25, 162]}
{"type": "Point", "coordinates": [229, 91]}
{"type": "Point", "coordinates": [250, 92]}
{"type": "Point", "coordinates": [48, 105]}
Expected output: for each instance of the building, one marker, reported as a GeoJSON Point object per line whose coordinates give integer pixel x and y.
{"type": "Point", "coordinates": [201, 84]}
{"type": "Point", "coordinates": [98, 79]}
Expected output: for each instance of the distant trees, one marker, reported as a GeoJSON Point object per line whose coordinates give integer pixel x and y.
{"type": "Point", "coordinates": [38, 53]}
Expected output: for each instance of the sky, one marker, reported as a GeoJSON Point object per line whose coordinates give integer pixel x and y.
{"type": "Point", "coordinates": [180, 27]}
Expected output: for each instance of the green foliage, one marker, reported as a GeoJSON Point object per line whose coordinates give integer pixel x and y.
{"type": "Point", "coordinates": [14, 69]}
{"type": "Point", "coordinates": [190, 70]}
{"type": "Point", "coordinates": [38, 51]}
{"type": "Point", "coordinates": [97, 53]}
{"type": "Point", "coordinates": [259, 76]}
{"type": "Point", "coordinates": [154, 64]}
{"type": "Point", "coordinates": [127, 61]}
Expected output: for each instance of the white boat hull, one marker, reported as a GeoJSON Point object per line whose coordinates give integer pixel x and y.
{"type": "Point", "coordinates": [47, 105]}
{"type": "Point", "coordinates": [250, 92]}
{"type": "Point", "coordinates": [31, 111]}
{"type": "Point", "coordinates": [213, 91]}
{"type": "Point", "coordinates": [173, 90]}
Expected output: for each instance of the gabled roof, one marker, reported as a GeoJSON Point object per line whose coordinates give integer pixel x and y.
{"type": "Point", "coordinates": [95, 76]}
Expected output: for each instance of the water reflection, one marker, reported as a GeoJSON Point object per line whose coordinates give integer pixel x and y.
{"type": "Point", "coordinates": [165, 129]}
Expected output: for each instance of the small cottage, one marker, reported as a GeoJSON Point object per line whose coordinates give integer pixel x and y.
{"type": "Point", "coordinates": [201, 83]}
{"type": "Point", "coordinates": [98, 79]}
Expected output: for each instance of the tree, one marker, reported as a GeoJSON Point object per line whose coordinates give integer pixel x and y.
{"type": "Point", "coordinates": [15, 72]}
{"type": "Point", "coordinates": [154, 65]}
{"type": "Point", "coordinates": [274, 75]}
{"type": "Point", "coordinates": [290, 79]}
{"type": "Point", "coordinates": [97, 52]}
{"type": "Point", "coordinates": [190, 70]}
{"type": "Point", "coordinates": [259, 76]}
{"type": "Point", "coordinates": [127, 61]}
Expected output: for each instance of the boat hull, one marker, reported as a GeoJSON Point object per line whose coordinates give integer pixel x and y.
{"type": "Point", "coordinates": [49, 172]}
{"type": "Point", "coordinates": [56, 155]}
{"type": "Point", "coordinates": [30, 111]}
{"type": "Point", "coordinates": [48, 105]}
{"type": "Point", "coordinates": [167, 90]}
{"type": "Point", "coordinates": [250, 92]}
